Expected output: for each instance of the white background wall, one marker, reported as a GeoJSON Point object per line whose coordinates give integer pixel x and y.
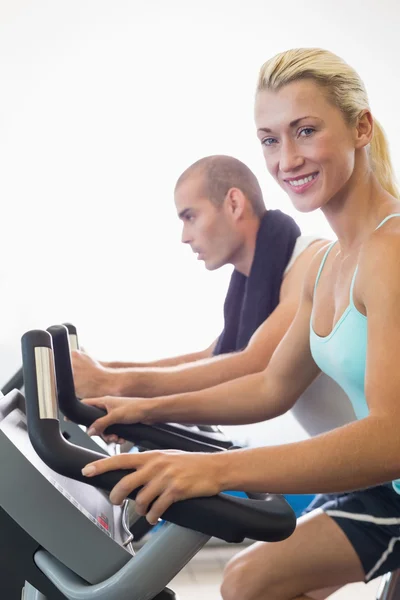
{"type": "Point", "coordinates": [102, 105]}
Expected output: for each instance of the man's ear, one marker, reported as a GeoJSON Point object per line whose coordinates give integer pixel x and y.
{"type": "Point", "coordinates": [364, 129]}
{"type": "Point", "coordinates": [235, 202]}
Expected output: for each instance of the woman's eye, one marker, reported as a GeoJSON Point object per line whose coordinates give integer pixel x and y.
{"type": "Point", "coordinates": [268, 141]}
{"type": "Point", "coordinates": [306, 131]}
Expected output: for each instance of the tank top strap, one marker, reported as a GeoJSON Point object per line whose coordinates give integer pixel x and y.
{"type": "Point", "coordinates": [387, 219]}
{"type": "Point", "coordinates": [321, 266]}
{"type": "Point", "coordinates": [356, 269]}
{"type": "Point", "coordinates": [352, 287]}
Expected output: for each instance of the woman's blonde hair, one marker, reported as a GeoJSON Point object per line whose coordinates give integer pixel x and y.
{"type": "Point", "coordinates": [344, 88]}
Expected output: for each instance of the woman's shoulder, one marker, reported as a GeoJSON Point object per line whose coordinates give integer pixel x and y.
{"type": "Point", "coordinates": [384, 239]}
{"type": "Point", "coordinates": [379, 258]}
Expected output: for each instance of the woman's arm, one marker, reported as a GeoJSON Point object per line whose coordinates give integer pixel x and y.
{"type": "Point", "coordinates": [361, 454]}
{"type": "Point", "coordinates": [366, 452]}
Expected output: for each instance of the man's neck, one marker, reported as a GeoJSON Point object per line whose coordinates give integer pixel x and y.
{"type": "Point", "coordinates": [243, 259]}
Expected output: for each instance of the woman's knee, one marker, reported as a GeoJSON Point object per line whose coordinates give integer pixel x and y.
{"type": "Point", "coordinates": [233, 583]}
{"type": "Point", "coordinates": [257, 573]}
{"type": "Point", "coordinates": [240, 579]}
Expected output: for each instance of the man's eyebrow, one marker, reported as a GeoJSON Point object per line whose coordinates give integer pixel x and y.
{"type": "Point", "coordinates": [183, 213]}
{"type": "Point", "coordinates": [291, 124]}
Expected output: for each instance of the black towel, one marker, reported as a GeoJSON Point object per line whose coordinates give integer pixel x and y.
{"type": "Point", "coordinates": [250, 300]}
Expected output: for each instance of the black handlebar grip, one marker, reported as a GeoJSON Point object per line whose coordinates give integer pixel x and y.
{"type": "Point", "coordinates": [232, 519]}
{"type": "Point", "coordinates": [63, 366]}
{"type": "Point", "coordinates": [71, 328]}
{"type": "Point", "coordinates": [37, 359]}
{"type": "Point", "coordinates": [15, 383]}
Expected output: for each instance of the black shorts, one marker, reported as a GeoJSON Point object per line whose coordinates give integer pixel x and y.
{"type": "Point", "coordinates": [371, 521]}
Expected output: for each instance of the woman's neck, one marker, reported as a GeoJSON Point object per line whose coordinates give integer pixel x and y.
{"type": "Point", "coordinates": [358, 209]}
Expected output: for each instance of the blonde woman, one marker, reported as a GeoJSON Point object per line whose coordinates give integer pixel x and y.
{"type": "Point", "coordinates": [323, 147]}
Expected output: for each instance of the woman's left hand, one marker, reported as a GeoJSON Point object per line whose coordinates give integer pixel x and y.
{"type": "Point", "coordinates": [166, 476]}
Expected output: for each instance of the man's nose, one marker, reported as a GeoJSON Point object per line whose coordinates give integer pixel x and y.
{"type": "Point", "coordinates": [186, 238]}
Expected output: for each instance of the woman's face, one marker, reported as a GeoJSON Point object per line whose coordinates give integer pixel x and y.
{"type": "Point", "coordinates": [308, 147]}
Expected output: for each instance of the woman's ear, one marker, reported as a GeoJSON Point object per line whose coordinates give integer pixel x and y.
{"type": "Point", "coordinates": [364, 129]}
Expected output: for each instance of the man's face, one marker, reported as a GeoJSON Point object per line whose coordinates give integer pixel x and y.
{"type": "Point", "coordinates": [207, 228]}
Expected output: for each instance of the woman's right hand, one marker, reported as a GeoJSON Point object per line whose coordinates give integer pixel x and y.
{"type": "Point", "coordinates": [119, 410]}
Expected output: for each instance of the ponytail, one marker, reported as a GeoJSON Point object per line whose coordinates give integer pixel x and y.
{"type": "Point", "coordinates": [380, 160]}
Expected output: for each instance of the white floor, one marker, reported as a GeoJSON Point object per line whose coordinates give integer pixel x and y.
{"type": "Point", "coordinates": [201, 578]}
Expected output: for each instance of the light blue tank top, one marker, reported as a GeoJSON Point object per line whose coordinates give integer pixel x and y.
{"type": "Point", "coordinates": [342, 354]}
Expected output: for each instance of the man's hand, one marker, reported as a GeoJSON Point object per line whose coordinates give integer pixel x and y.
{"type": "Point", "coordinates": [166, 476]}
{"type": "Point", "coordinates": [90, 377]}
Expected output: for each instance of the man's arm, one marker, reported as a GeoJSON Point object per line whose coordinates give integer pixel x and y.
{"type": "Point", "coordinates": [208, 372]}
{"type": "Point", "coordinates": [96, 378]}
{"type": "Point", "coordinates": [163, 362]}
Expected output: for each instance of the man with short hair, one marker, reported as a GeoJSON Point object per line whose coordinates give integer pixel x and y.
{"type": "Point", "coordinates": [221, 206]}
